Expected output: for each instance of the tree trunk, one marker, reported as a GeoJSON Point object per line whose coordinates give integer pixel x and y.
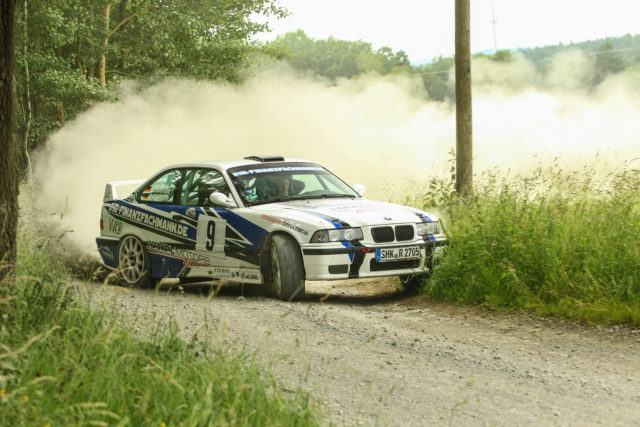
{"type": "Point", "coordinates": [79, 58]}
{"type": "Point", "coordinates": [464, 144]}
{"type": "Point", "coordinates": [90, 67]}
{"type": "Point", "coordinates": [8, 153]}
{"type": "Point", "coordinates": [103, 45]}
{"type": "Point", "coordinates": [27, 101]}
{"type": "Point", "coordinates": [122, 17]}
{"type": "Point", "coordinates": [61, 112]}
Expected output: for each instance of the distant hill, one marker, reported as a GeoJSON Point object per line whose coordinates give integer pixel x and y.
{"type": "Point", "coordinates": [337, 59]}
{"type": "Point", "coordinates": [627, 47]}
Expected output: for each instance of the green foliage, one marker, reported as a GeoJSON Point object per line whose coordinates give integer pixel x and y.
{"type": "Point", "coordinates": [562, 243]}
{"type": "Point", "coordinates": [627, 47]}
{"type": "Point", "coordinates": [63, 364]}
{"type": "Point", "coordinates": [199, 39]}
{"type": "Point", "coordinates": [502, 56]}
{"type": "Point", "coordinates": [607, 62]}
{"type": "Point", "coordinates": [333, 58]}
{"type": "Point", "coordinates": [143, 40]}
{"type": "Point", "coordinates": [437, 78]}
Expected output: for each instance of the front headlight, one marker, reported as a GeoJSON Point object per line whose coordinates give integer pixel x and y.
{"type": "Point", "coordinates": [337, 235]}
{"type": "Point", "coordinates": [426, 228]}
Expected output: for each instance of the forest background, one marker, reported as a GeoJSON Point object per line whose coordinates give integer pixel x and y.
{"type": "Point", "coordinates": [73, 55]}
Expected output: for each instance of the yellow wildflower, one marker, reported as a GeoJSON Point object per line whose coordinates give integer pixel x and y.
{"type": "Point", "coordinates": [2, 392]}
{"type": "Point", "coordinates": [25, 398]}
{"type": "Point", "coordinates": [162, 425]}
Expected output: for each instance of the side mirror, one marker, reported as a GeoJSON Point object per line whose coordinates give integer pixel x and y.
{"type": "Point", "coordinates": [221, 199]}
{"type": "Point", "coordinates": [360, 189]}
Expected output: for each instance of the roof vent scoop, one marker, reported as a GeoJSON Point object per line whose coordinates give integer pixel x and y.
{"type": "Point", "coordinates": [266, 158]}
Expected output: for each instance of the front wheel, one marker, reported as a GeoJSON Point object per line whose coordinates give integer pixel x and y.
{"type": "Point", "coordinates": [413, 282]}
{"type": "Point", "coordinates": [287, 270]}
{"type": "Point", "coordinates": [134, 263]}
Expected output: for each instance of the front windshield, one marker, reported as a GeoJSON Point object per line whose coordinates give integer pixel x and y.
{"type": "Point", "coordinates": [278, 182]}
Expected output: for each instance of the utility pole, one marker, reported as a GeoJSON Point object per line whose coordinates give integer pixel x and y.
{"type": "Point", "coordinates": [494, 22]}
{"type": "Point", "coordinates": [464, 144]}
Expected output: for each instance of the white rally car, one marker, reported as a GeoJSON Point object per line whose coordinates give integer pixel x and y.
{"type": "Point", "coordinates": [260, 220]}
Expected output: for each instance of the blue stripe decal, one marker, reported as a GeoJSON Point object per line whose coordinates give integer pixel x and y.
{"type": "Point", "coordinates": [250, 231]}
{"type": "Point", "coordinates": [164, 265]}
{"type": "Point", "coordinates": [348, 245]}
{"type": "Point", "coordinates": [335, 224]}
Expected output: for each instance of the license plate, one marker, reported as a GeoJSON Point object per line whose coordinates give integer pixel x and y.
{"type": "Point", "coordinates": [397, 254]}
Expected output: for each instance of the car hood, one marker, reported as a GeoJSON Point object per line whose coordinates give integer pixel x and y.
{"type": "Point", "coordinates": [355, 212]}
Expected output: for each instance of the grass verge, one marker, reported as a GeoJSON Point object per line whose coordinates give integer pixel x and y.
{"type": "Point", "coordinates": [61, 364]}
{"type": "Point", "coordinates": [557, 242]}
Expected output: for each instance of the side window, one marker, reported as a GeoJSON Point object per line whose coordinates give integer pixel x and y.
{"type": "Point", "coordinates": [189, 193]}
{"type": "Point", "coordinates": [161, 190]}
{"type": "Point", "coordinates": [198, 186]}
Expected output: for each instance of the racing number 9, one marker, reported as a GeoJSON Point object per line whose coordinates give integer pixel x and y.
{"type": "Point", "coordinates": [210, 235]}
{"type": "Point", "coordinates": [211, 230]}
{"type": "Point", "coordinates": [205, 237]}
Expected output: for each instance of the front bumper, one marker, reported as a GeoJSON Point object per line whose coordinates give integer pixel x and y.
{"type": "Point", "coordinates": [350, 260]}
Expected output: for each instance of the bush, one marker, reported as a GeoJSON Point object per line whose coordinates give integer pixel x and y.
{"type": "Point", "coordinates": [562, 243]}
{"type": "Point", "coordinates": [61, 364]}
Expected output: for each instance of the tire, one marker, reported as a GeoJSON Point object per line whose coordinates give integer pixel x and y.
{"type": "Point", "coordinates": [134, 264]}
{"type": "Point", "coordinates": [413, 282]}
{"type": "Point", "coordinates": [287, 270]}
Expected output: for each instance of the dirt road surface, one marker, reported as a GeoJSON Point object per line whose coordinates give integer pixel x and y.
{"type": "Point", "coordinates": [373, 356]}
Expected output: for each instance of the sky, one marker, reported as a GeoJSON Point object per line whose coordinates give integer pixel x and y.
{"type": "Point", "coordinates": [424, 29]}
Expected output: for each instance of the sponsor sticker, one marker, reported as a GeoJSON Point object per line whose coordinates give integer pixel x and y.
{"type": "Point", "coordinates": [114, 226]}
{"type": "Point", "coordinates": [358, 209]}
{"type": "Point", "coordinates": [285, 224]}
{"type": "Point", "coordinates": [189, 258]}
{"type": "Point", "coordinates": [220, 271]}
{"type": "Point", "coordinates": [107, 254]}
{"type": "Point", "coordinates": [280, 169]}
{"type": "Point", "coordinates": [146, 218]}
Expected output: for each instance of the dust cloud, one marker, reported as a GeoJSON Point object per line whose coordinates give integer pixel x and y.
{"type": "Point", "coordinates": [381, 132]}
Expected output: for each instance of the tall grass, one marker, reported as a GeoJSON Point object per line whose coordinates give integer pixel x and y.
{"type": "Point", "coordinates": [61, 364]}
{"type": "Point", "coordinates": [559, 242]}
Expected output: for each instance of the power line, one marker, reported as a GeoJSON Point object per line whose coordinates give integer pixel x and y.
{"type": "Point", "coordinates": [494, 22]}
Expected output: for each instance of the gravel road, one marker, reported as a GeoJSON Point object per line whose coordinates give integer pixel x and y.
{"type": "Point", "coordinates": [376, 357]}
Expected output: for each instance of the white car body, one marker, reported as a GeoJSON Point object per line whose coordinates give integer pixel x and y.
{"type": "Point", "coordinates": [228, 234]}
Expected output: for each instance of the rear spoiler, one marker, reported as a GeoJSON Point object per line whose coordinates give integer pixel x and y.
{"type": "Point", "coordinates": [110, 193]}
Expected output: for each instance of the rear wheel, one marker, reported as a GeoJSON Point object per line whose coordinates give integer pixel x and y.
{"type": "Point", "coordinates": [287, 270]}
{"type": "Point", "coordinates": [134, 263]}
